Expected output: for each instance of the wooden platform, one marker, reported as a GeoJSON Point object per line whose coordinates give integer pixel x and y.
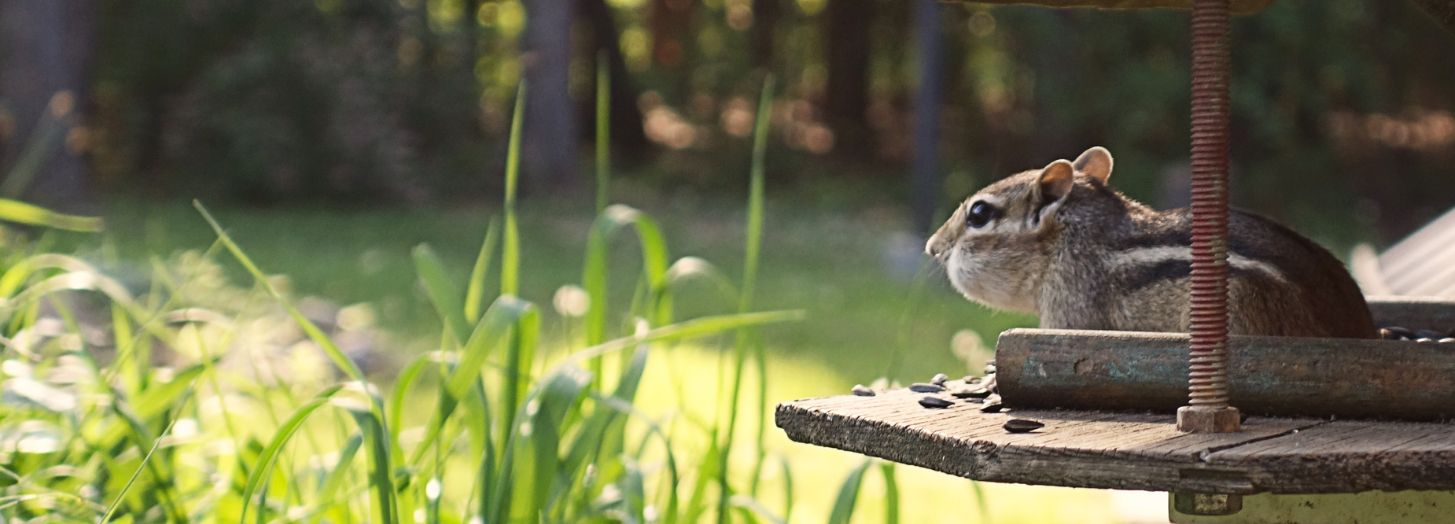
{"type": "Point", "coordinates": [1130, 451]}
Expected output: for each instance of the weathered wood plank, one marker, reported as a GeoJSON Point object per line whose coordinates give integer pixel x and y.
{"type": "Point", "coordinates": [1131, 450]}
{"type": "Point", "coordinates": [1386, 456]}
{"type": "Point", "coordinates": [1086, 449]}
{"type": "Point", "coordinates": [1413, 312]}
{"type": "Point", "coordinates": [1267, 375]}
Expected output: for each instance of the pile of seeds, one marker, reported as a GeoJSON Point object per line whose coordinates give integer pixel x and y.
{"type": "Point", "coordinates": [1423, 336]}
{"type": "Point", "coordinates": [970, 390]}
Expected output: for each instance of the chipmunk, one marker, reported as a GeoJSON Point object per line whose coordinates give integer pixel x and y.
{"type": "Point", "coordinates": [1061, 243]}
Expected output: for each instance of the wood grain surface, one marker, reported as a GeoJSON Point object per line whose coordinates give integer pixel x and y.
{"type": "Point", "coordinates": [1130, 450]}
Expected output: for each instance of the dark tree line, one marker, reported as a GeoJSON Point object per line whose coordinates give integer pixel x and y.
{"type": "Point", "coordinates": [409, 101]}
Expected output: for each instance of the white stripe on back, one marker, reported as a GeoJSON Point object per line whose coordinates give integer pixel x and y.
{"type": "Point", "coordinates": [1145, 256]}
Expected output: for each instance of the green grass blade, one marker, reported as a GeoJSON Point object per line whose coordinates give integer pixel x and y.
{"type": "Point", "coordinates": [510, 252]}
{"type": "Point", "coordinates": [265, 462]}
{"type": "Point", "coordinates": [603, 427]}
{"type": "Point", "coordinates": [848, 495]}
{"type": "Point", "coordinates": [133, 371]}
{"type": "Point", "coordinates": [981, 503]}
{"type": "Point", "coordinates": [519, 356]}
{"type": "Point", "coordinates": [757, 509]}
{"type": "Point", "coordinates": [402, 384]}
{"type": "Point", "coordinates": [554, 396]}
{"type": "Point", "coordinates": [754, 241]}
{"type": "Point", "coordinates": [697, 504]}
{"type": "Point", "coordinates": [475, 288]}
{"type": "Point", "coordinates": [787, 487]}
{"type": "Point", "coordinates": [441, 292]}
{"type": "Point", "coordinates": [480, 432]}
{"type": "Point", "coordinates": [376, 442]}
{"type": "Point", "coordinates": [328, 491]}
{"type": "Point", "coordinates": [16, 276]}
{"type": "Point", "coordinates": [495, 328]}
{"type": "Point", "coordinates": [751, 250]}
{"type": "Point", "coordinates": [891, 493]}
{"type": "Point", "coordinates": [561, 391]}
{"type": "Point", "coordinates": [33, 215]}
{"type": "Point", "coordinates": [161, 396]}
{"type": "Point", "coordinates": [690, 269]}
{"type": "Point", "coordinates": [687, 329]}
{"type": "Point", "coordinates": [49, 130]}
{"type": "Point", "coordinates": [655, 260]}
{"type": "Point", "coordinates": [633, 488]}
{"type": "Point", "coordinates": [142, 439]}
{"type": "Point", "coordinates": [603, 131]}
{"type": "Point", "coordinates": [760, 359]}
{"type": "Point", "coordinates": [654, 430]}
{"type": "Point", "coordinates": [314, 333]}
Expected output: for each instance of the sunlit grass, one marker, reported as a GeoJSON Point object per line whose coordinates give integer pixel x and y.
{"type": "Point", "coordinates": [220, 402]}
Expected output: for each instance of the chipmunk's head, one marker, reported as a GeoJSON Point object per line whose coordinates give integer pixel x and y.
{"type": "Point", "coordinates": [997, 244]}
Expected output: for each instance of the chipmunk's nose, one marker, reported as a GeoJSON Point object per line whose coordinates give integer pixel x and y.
{"type": "Point", "coordinates": [932, 247]}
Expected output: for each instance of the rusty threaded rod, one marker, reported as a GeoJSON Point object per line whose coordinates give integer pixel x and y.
{"type": "Point", "coordinates": [1208, 409]}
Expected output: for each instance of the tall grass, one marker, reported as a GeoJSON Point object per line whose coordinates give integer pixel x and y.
{"type": "Point", "coordinates": [182, 414]}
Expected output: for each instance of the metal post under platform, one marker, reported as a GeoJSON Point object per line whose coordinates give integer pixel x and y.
{"type": "Point", "coordinates": [1370, 507]}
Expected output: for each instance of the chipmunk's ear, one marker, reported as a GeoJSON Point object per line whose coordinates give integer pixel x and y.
{"type": "Point", "coordinates": [1095, 162]}
{"type": "Point", "coordinates": [1056, 180]}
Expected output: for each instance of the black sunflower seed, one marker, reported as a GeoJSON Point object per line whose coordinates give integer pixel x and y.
{"type": "Point", "coordinates": [921, 387]}
{"type": "Point", "coordinates": [992, 404]}
{"type": "Point", "coordinates": [861, 391]}
{"type": "Point", "coordinates": [934, 402]}
{"type": "Point", "coordinates": [1021, 425]}
{"type": "Point", "coordinates": [970, 392]}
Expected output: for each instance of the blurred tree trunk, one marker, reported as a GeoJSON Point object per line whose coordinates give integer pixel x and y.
{"type": "Point", "coordinates": [548, 153]}
{"type": "Point", "coordinates": [847, 97]}
{"type": "Point", "coordinates": [627, 136]}
{"type": "Point", "coordinates": [927, 102]}
{"type": "Point", "coordinates": [46, 49]}
{"type": "Point", "coordinates": [470, 25]}
{"type": "Point", "coordinates": [765, 23]}
{"type": "Point", "coordinates": [670, 22]}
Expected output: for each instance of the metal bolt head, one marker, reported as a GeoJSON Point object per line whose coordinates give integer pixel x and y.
{"type": "Point", "coordinates": [1207, 503]}
{"type": "Point", "coordinates": [1201, 419]}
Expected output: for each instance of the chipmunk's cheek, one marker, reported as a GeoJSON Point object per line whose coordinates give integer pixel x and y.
{"type": "Point", "coordinates": [962, 268]}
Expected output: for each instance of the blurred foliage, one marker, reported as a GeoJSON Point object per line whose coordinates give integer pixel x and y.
{"type": "Point", "coordinates": [269, 100]}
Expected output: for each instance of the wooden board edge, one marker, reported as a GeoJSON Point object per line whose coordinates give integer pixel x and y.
{"type": "Point", "coordinates": [986, 461]}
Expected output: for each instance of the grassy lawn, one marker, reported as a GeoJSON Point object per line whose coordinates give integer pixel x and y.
{"type": "Point", "coordinates": [874, 308]}
{"type": "Point", "coordinates": [866, 318]}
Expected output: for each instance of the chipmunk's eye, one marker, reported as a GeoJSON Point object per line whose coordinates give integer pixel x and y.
{"type": "Point", "coordinates": [979, 214]}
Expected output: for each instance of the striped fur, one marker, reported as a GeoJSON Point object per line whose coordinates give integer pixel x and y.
{"type": "Point", "coordinates": [1084, 256]}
